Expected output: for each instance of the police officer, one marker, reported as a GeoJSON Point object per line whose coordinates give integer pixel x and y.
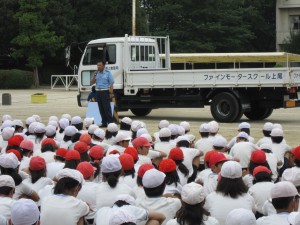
{"type": "Point", "coordinates": [104, 92]}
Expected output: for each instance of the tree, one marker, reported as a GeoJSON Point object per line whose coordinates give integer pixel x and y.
{"type": "Point", "coordinates": [292, 45]}
{"type": "Point", "coordinates": [35, 40]}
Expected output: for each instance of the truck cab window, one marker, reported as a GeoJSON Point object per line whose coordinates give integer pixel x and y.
{"type": "Point", "coordinates": [95, 54]}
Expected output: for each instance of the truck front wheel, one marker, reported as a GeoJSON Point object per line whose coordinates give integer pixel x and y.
{"type": "Point", "coordinates": [225, 107]}
{"type": "Point", "coordinates": [141, 112]}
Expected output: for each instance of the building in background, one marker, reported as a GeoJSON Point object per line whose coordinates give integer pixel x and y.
{"type": "Point", "coordinates": [287, 20]}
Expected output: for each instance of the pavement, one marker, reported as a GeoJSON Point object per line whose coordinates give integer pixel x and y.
{"type": "Point", "coordinates": [60, 101]}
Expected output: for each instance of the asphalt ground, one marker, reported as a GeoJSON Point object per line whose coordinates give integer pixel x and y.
{"type": "Point", "coordinates": [62, 101]}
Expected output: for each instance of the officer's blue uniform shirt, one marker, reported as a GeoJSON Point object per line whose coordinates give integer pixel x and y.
{"type": "Point", "coordinates": [104, 79]}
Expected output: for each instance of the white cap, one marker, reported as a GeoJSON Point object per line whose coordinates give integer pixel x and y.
{"type": "Point", "coordinates": [192, 193]}
{"type": "Point", "coordinates": [88, 121]}
{"type": "Point", "coordinates": [266, 146]}
{"type": "Point", "coordinates": [231, 170]}
{"type": "Point", "coordinates": [7, 133]}
{"type": "Point", "coordinates": [66, 116]}
{"type": "Point", "coordinates": [6, 117]}
{"type": "Point", "coordinates": [148, 137]}
{"type": "Point", "coordinates": [63, 123]}
{"type": "Point", "coordinates": [74, 174]}
{"type": "Point", "coordinates": [182, 138]}
{"type": "Point", "coordinates": [276, 132]}
{"type": "Point", "coordinates": [135, 125]}
{"type": "Point", "coordinates": [24, 212]}
{"type": "Point", "coordinates": [153, 178]}
{"type": "Point", "coordinates": [122, 216]}
{"type": "Point", "coordinates": [37, 118]}
{"type": "Point", "coordinates": [53, 123]}
{"type": "Point", "coordinates": [92, 128]}
{"type": "Point", "coordinates": [213, 126]}
{"type": "Point", "coordinates": [141, 131]}
{"type": "Point", "coordinates": [17, 123]}
{"type": "Point", "coordinates": [240, 216]}
{"type": "Point", "coordinates": [126, 198]}
{"type": "Point", "coordinates": [99, 133]}
{"type": "Point", "coordinates": [268, 126]}
{"type": "Point", "coordinates": [191, 137]}
{"type": "Point", "coordinates": [243, 135]}
{"type": "Point", "coordinates": [112, 127]}
{"type": "Point", "coordinates": [51, 118]}
{"type": "Point", "coordinates": [9, 160]}
{"type": "Point", "coordinates": [277, 125]}
{"type": "Point", "coordinates": [294, 218]}
{"type": "Point", "coordinates": [126, 120]}
{"type": "Point", "coordinates": [244, 125]}
{"type": "Point", "coordinates": [6, 123]}
{"type": "Point", "coordinates": [283, 189]}
{"type": "Point", "coordinates": [7, 181]}
{"type": "Point", "coordinates": [122, 136]}
{"type": "Point", "coordinates": [185, 125]}
{"type": "Point", "coordinates": [163, 124]}
{"type": "Point", "coordinates": [173, 129]}
{"type": "Point", "coordinates": [110, 164]}
{"type": "Point", "coordinates": [292, 175]}
{"type": "Point", "coordinates": [70, 131]}
{"type": "Point", "coordinates": [76, 120]}
{"type": "Point", "coordinates": [39, 128]}
{"type": "Point", "coordinates": [30, 120]}
{"type": "Point", "coordinates": [50, 130]}
{"type": "Point", "coordinates": [204, 127]}
{"type": "Point", "coordinates": [180, 130]}
{"type": "Point", "coordinates": [220, 141]}
{"type": "Point", "coordinates": [164, 132]}
{"type": "Point", "coordinates": [32, 126]}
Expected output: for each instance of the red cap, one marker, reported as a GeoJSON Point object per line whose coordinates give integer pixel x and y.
{"type": "Point", "coordinates": [15, 140]}
{"type": "Point", "coordinates": [258, 156]}
{"type": "Point", "coordinates": [61, 152]}
{"type": "Point", "coordinates": [97, 152]}
{"type": "Point", "coordinates": [176, 154]}
{"type": "Point", "coordinates": [133, 152]}
{"type": "Point", "coordinates": [126, 161]}
{"type": "Point", "coordinates": [167, 165]}
{"type": "Point", "coordinates": [114, 152]}
{"type": "Point", "coordinates": [37, 163]}
{"type": "Point", "coordinates": [140, 142]}
{"type": "Point", "coordinates": [16, 152]}
{"type": "Point", "coordinates": [144, 168]}
{"type": "Point", "coordinates": [216, 158]}
{"type": "Point", "coordinates": [86, 138]}
{"type": "Point", "coordinates": [259, 169]}
{"type": "Point", "coordinates": [86, 169]}
{"type": "Point", "coordinates": [49, 141]}
{"type": "Point", "coordinates": [27, 144]}
{"type": "Point", "coordinates": [296, 152]}
{"type": "Point", "coordinates": [81, 147]}
{"type": "Point", "coordinates": [209, 154]}
{"type": "Point", "coordinates": [72, 155]}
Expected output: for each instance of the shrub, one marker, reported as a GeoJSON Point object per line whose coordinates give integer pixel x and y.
{"type": "Point", "coordinates": [15, 79]}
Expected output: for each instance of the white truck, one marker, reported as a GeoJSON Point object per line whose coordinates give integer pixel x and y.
{"type": "Point", "coordinates": [232, 84]}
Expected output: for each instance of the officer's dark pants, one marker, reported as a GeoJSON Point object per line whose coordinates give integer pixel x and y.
{"type": "Point", "coordinates": [103, 100]}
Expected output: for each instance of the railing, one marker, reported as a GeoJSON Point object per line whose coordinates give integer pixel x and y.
{"type": "Point", "coordinates": [66, 80]}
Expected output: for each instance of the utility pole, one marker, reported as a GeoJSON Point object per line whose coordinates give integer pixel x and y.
{"type": "Point", "coordinates": [133, 17]}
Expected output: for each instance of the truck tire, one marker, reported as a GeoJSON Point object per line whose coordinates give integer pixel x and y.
{"type": "Point", "coordinates": [258, 113]}
{"type": "Point", "coordinates": [225, 107]}
{"type": "Point", "coordinates": [141, 112]}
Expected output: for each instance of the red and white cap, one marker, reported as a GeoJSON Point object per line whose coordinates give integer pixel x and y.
{"type": "Point", "coordinates": [86, 169]}
{"type": "Point", "coordinates": [192, 193]}
{"type": "Point", "coordinates": [7, 181]}
{"type": "Point", "coordinates": [37, 163]}
{"type": "Point", "coordinates": [231, 170]}
{"type": "Point", "coordinates": [74, 174]}
{"type": "Point", "coordinates": [122, 136]}
{"type": "Point", "coordinates": [283, 189]}
{"type": "Point", "coordinates": [110, 164]}
{"type": "Point", "coordinates": [140, 142]}
{"type": "Point", "coordinates": [9, 161]}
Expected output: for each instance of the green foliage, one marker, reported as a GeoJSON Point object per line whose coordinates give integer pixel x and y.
{"type": "Point", "coordinates": [15, 79]}
{"type": "Point", "coordinates": [292, 45]}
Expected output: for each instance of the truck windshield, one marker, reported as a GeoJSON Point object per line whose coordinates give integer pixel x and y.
{"type": "Point", "coordinates": [96, 53]}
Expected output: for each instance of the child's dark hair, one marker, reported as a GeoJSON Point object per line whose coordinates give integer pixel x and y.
{"type": "Point", "coordinates": [112, 178]}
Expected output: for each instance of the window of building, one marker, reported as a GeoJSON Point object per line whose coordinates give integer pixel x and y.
{"type": "Point", "coordinates": [295, 22]}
